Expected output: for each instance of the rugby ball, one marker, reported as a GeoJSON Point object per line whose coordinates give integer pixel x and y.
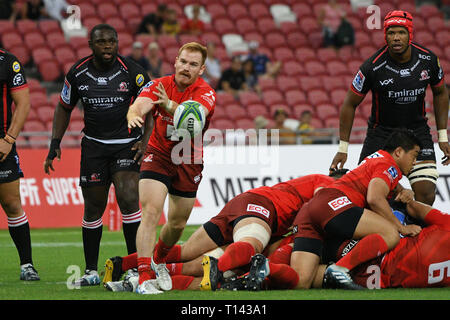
{"type": "Point", "coordinates": [189, 116]}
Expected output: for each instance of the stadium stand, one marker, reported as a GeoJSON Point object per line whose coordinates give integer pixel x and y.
{"type": "Point", "coordinates": [311, 77]}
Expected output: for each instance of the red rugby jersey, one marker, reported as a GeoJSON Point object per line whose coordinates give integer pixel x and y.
{"type": "Point", "coordinates": [356, 182]}
{"type": "Point", "coordinates": [199, 91]}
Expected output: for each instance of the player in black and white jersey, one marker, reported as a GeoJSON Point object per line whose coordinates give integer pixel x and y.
{"type": "Point", "coordinates": [106, 84]}
{"type": "Point", "coordinates": [398, 75]}
{"type": "Point", "coordinates": [14, 88]}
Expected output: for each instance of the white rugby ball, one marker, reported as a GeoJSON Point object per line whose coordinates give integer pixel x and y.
{"type": "Point", "coordinates": [189, 116]}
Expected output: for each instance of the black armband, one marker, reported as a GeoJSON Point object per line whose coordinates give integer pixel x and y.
{"type": "Point", "coordinates": [54, 145]}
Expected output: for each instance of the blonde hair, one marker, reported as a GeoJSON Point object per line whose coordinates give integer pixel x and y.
{"type": "Point", "coordinates": [196, 47]}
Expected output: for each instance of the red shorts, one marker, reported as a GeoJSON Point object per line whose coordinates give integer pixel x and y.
{"type": "Point", "coordinates": [220, 227]}
{"type": "Point", "coordinates": [328, 213]}
{"type": "Point", "coordinates": [181, 180]}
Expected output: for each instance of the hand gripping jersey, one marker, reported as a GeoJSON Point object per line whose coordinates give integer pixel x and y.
{"type": "Point", "coordinates": [398, 90]}
{"type": "Point", "coordinates": [289, 196]}
{"type": "Point", "coordinates": [12, 77]}
{"type": "Point", "coordinates": [105, 96]}
{"type": "Point", "coordinates": [163, 136]}
{"type": "Point", "coordinates": [356, 182]}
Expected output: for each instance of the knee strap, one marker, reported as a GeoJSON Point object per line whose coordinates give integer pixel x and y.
{"type": "Point", "coordinates": [423, 171]}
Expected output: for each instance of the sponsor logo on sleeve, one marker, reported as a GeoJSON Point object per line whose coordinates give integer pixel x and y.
{"type": "Point", "coordinates": [391, 173]}
{"type": "Point", "coordinates": [140, 80]}
{"type": "Point", "coordinates": [65, 92]}
{"type": "Point", "coordinates": [358, 81]}
{"type": "Point", "coordinates": [16, 66]}
{"type": "Point", "coordinates": [18, 80]}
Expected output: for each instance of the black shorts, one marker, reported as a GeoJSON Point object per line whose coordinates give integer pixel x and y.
{"type": "Point", "coordinates": [99, 161]}
{"type": "Point", "coordinates": [376, 138]}
{"type": "Point", "coordinates": [10, 168]}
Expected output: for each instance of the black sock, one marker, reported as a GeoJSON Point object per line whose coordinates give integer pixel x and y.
{"type": "Point", "coordinates": [130, 225]}
{"type": "Point", "coordinates": [19, 229]}
{"type": "Point", "coordinates": [92, 234]}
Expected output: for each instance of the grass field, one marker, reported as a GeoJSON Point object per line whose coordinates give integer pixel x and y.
{"type": "Point", "coordinates": [58, 252]}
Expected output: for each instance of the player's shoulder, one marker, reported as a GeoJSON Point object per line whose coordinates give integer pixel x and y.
{"type": "Point", "coordinates": [79, 65]}
{"type": "Point", "coordinates": [377, 59]}
{"type": "Point", "coordinates": [10, 59]}
{"type": "Point", "coordinates": [204, 86]}
{"type": "Point", "coordinates": [423, 52]}
{"type": "Point", "coordinates": [130, 64]}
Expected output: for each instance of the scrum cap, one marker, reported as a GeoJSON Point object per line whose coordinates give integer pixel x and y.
{"type": "Point", "coordinates": [399, 18]}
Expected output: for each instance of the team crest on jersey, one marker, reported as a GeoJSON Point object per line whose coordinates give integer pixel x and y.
{"type": "Point", "coordinates": [123, 87]}
{"type": "Point", "coordinates": [16, 66]}
{"type": "Point", "coordinates": [358, 81]}
{"type": "Point", "coordinates": [424, 75]}
{"type": "Point", "coordinates": [140, 79]}
{"type": "Point", "coordinates": [65, 93]}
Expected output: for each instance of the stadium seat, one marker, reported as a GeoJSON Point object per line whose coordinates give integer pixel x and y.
{"type": "Point", "coordinates": [282, 13]}
{"type": "Point", "coordinates": [170, 54]}
{"type": "Point", "coordinates": [210, 37]}
{"type": "Point", "coordinates": [299, 108]}
{"type": "Point", "coordinates": [48, 26]}
{"type": "Point", "coordinates": [424, 37]}
{"type": "Point", "coordinates": [83, 52]}
{"type": "Point", "coordinates": [292, 68]}
{"type": "Point", "coordinates": [129, 11]}
{"type": "Point", "coordinates": [271, 97]}
{"type": "Point", "coordinates": [309, 25]}
{"type": "Point", "coordinates": [429, 10]}
{"type": "Point", "coordinates": [34, 126]}
{"type": "Point", "coordinates": [34, 40]}
{"type": "Point", "coordinates": [234, 111]}
{"type": "Point", "coordinates": [224, 25]}
{"type": "Point", "coordinates": [296, 40]}
{"type": "Point", "coordinates": [254, 36]}
{"type": "Point", "coordinates": [354, 65]}
{"type": "Point", "coordinates": [45, 113]}
{"type": "Point", "coordinates": [295, 97]}
{"type": "Point", "coordinates": [7, 26]}
{"type": "Point", "coordinates": [216, 10]}
{"type": "Point", "coordinates": [286, 83]}
{"type": "Point", "coordinates": [308, 83]}
{"type": "Point", "coordinates": [436, 23]}
{"type": "Point", "coordinates": [377, 37]}
{"type": "Point", "coordinates": [257, 109]}
{"type": "Point", "coordinates": [266, 83]}
{"type": "Point", "coordinates": [259, 10]}
{"type": "Point", "coordinates": [315, 68]}
{"type": "Point", "coordinates": [22, 53]}
{"type": "Point", "coordinates": [56, 40]}
{"type": "Point", "coordinates": [326, 54]}
{"type": "Point", "coordinates": [26, 26]}
{"type": "Point", "coordinates": [233, 42]}
{"type": "Point", "coordinates": [332, 122]}
{"type": "Point", "coordinates": [185, 38]}
{"type": "Point", "coordinates": [362, 38]}
{"type": "Point", "coordinates": [222, 124]}
{"type": "Point", "coordinates": [302, 9]}
{"type": "Point", "coordinates": [337, 68]}
{"type": "Point", "coordinates": [38, 99]}
{"type": "Point", "coordinates": [287, 27]}
{"type": "Point", "coordinates": [91, 22]}
{"type": "Point", "coordinates": [366, 52]}
{"type": "Point", "coordinates": [237, 10]}
{"type": "Point", "coordinates": [42, 54]}
{"type": "Point", "coordinates": [225, 98]}
{"type": "Point", "coordinates": [337, 96]}
{"type": "Point", "coordinates": [275, 39]}
{"type": "Point", "coordinates": [244, 123]}
{"type": "Point", "coordinates": [317, 123]}
{"type": "Point", "coordinates": [35, 86]}
{"type": "Point", "coordinates": [248, 97]}
{"type": "Point", "coordinates": [49, 70]}
{"type": "Point", "coordinates": [88, 10]}
{"type": "Point", "coordinates": [118, 23]}
{"type": "Point", "coordinates": [330, 83]}
{"type": "Point", "coordinates": [317, 96]}
{"type": "Point", "coordinates": [305, 53]}
{"type": "Point", "coordinates": [246, 25]}
{"type": "Point", "coordinates": [65, 55]}
{"type": "Point", "coordinates": [326, 110]}
{"type": "Point", "coordinates": [266, 25]}
{"type": "Point", "coordinates": [443, 36]}
{"type": "Point", "coordinates": [107, 10]}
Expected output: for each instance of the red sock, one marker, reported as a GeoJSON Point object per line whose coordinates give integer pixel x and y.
{"type": "Point", "coordinates": [130, 261]}
{"type": "Point", "coordinates": [367, 248]}
{"type": "Point", "coordinates": [281, 255]}
{"type": "Point", "coordinates": [181, 282]}
{"type": "Point", "coordinates": [282, 276]}
{"type": "Point", "coordinates": [175, 268]}
{"type": "Point", "coordinates": [161, 251]}
{"type": "Point", "coordinates": [438, 218]}
{"type": "Point", "coordinates": [237, 254]}
{"type": "Point", "coordinates": [144, 269]}
{"type": "Point", "coordinates": [174, 254]}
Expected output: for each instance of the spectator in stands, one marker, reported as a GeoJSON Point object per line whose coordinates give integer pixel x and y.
{"type": "Point", "coordinates": [213, 69]}
{"type": "Point", "coordinates": [154, 60]}
{"type": "Point", "coordinates": [261, 123]}
{"type": "Point", "coordinates": [152, 23]}
{"type": "Point", "coordinates": [137, 55]}
{"type": "Point", "coordinates": [194, 26]}
{"type": "Point", "coordinates": [287, 136]}
{"type": "Point", "coordinates": [34, 10]}
{"type": "Point", "coordinates": [307, 130]}
{"type": "Point", "coordinates": [233, 78]}
{"type": "Point", "coordinates": [56, 8]}
{"type": "Point", "coordinates": [262, 64]}
{"type": "Point", "coordinates": [251, 78]}
{"type": "Point", "coordinates": [330, 18]}
{"type": "Point", "coordinates": [8, 10]}
{"type": "Point", "coordinates": [171, 26]}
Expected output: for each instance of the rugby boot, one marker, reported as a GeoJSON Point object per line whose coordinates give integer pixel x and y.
{"type": "Point", "coordinates": [90, 278]}
{"type": "Point", "coordinates": [336, 277]}
{"type": "Point", "coordinates": [113, 270]}
{"type": "Point", "coordinates": [259, 270]}
{"type": "Point", "coordinates": [28, 273]}
{"type": "Point", "coordinates": [148, 287]}
{"type": "Point", "coordinates": [162, 276]}
{"type": "Point", "coordinates": [235, 283]}
{"type": "Point", "coordinates": [211, 274]}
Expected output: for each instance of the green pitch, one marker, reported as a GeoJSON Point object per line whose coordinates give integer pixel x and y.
{"type": "Point", "coordinates": [58, 255]}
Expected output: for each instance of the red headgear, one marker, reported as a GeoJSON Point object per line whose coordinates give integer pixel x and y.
{"type": "Point", "coordinates": [399, 18]}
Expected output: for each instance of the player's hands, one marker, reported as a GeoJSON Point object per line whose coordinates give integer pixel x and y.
{"type": "Point", "coordinates": [48, 163]}
{"type": "Point", "coordinates": [445, 147]}
{"type": "Point", "coordinates": [161, 93]}
{"type": "Point", "coordinates": [140, 147]}
{"type": "Point", "coordinates": [405, 196]}
{"type": "Point", "coordinates": [53, 152]}
{"type": "Point", "coordinates": [338, 161]}
{"type": "Point", "coordinates": [134, 119]}
{"type": "Point", "coordinates": [5, 149]}
{"type": "Point", "coordinates": [410, 230]}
